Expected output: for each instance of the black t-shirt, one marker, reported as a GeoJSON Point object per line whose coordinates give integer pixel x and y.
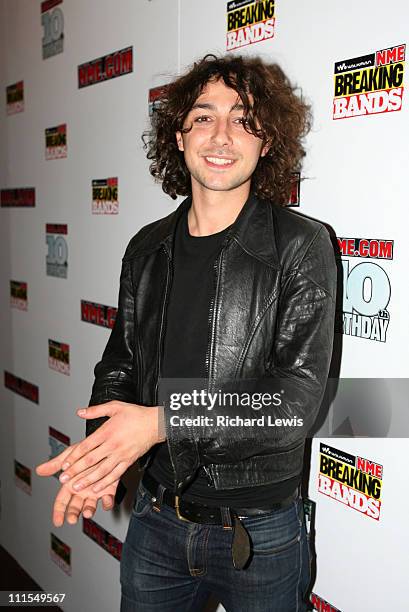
{"type": "Point", "coordinates": [185, 345]}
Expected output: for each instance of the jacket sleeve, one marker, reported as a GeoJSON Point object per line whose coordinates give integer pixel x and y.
{"type": "Point", "coordinates": [301, 355]}
{"type": "Point", "coordinates": [115, 373]}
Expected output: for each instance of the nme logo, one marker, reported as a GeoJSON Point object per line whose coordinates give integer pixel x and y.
{"type": "Point", "coordinates": [105, 68]}
{"type": "Point", "coordinates": [24, 197]}
{"type": "Point", "coordinates": [21, 387]}
{"type": "Point", "coordinates": [102, 537]}
{"type": "Point", "coordinates": [321, 605]}
{"type": "Point", "coordinates": [98, 314]}
{"type": "Point", "coordinates": [366, 247]}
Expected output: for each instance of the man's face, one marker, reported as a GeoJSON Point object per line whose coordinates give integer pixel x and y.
{"type": "Point", "coordinates": [219, 154]}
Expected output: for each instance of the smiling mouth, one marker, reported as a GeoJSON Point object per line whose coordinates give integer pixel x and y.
{"type": "Point", "coordinates": [219, 161]}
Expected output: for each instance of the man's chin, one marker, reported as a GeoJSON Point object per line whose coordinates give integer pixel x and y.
{"type": "Point", "coordinates": [221, 185]}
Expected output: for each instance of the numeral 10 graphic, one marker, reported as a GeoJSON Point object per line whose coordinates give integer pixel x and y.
{"type": "Point", "coordinates": [367, 289]}
{"type": "Point", "coordinates": [57, 256]}
{"type": "Point", "coordinates": [53, 23]}
{"type": "Point", "coordinates": [57, 249]}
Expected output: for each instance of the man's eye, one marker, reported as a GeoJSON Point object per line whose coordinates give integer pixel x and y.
{"type": "Point", "coordinates": [201, 119]}
{"type": "Point", "coordinates": [243, 120]}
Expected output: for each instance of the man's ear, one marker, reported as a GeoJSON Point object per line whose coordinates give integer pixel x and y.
{"type": "Point", "coordinates": [265, 149]}
{"type": "Point", "coordinates": [179, 141]}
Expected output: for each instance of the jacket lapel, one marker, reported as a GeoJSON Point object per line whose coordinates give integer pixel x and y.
{"type": "Point", "coordinates": [253, 230]}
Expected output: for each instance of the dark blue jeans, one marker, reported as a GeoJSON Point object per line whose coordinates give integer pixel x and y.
{"type": "Point", "coordinates": [169, 565]}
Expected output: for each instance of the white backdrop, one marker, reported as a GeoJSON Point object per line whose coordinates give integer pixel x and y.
{"type": "Point", "coordinates": [356, 171]}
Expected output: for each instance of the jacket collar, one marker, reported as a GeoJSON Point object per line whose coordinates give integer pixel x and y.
{"type": "Point", "coordinates": [253, 230]}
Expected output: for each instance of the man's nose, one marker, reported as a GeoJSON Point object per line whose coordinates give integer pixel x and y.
{"type": "Point", "coordinates": [221, 132]}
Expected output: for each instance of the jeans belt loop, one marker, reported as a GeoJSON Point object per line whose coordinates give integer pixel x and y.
{"type": "Point", "coordinates": [226, 517]}
{"type": "Point", "coordinates": [157, 501]}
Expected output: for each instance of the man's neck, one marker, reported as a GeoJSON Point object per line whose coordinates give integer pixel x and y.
{"type": "Point", "coordinates": [213, 211]}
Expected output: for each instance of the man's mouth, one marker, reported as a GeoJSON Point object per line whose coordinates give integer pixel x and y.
{"type": "Point", "coordinates": [219, 161]}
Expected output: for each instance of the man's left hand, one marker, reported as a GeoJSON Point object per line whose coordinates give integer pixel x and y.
{"type": "Point", "coordinates": [128, 434]}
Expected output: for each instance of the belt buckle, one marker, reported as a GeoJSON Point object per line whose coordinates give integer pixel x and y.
{"type": "Point", "coordinates": [182, 518]}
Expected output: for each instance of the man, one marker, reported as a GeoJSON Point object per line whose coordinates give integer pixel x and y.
{"type": "Point", "coordinates": [237, 292]}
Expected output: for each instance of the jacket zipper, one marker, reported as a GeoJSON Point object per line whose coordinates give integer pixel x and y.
{"type": "Point", "coordinates": [210, 343]}
{"type": "Point", "coordinates": [140, 368]}
{"type": "Point", "coordinates": [161, 334]}
{"type": "Point", "coordinates": [162, 323]}
{"type": "Point", "coordinates": [169, 278]}
{"type": "Point", "coordinates": [212, 319]}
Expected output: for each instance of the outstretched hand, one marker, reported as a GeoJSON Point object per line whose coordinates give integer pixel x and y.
{"type": "Point", "coordinates": [68, 505]}
{"type": "Point", "coordinates": [99, 461]}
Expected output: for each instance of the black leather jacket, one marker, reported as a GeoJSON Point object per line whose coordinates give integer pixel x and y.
{"type": "Point", "coordinates": [272, 316]}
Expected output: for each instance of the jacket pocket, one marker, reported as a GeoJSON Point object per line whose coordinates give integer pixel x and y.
{"type": "Point", "coordinates": [259, 469]}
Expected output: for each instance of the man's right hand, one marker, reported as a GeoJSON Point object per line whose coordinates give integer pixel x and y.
{"type": "Point", "coordinates": [69, 505]}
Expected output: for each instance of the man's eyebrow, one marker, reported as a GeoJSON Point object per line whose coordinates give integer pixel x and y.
{"type": "Point", "coordinates": [238, 106]}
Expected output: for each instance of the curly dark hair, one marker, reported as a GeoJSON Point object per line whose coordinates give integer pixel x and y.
{"type": "Point", "coordinates": [283, 118]}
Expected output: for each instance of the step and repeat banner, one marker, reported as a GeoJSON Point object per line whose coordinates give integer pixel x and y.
{"type": "Point", "coordinates": [80, 81]}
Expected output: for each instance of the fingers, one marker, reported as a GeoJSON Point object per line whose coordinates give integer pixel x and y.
{"type": "Point", "coordinates": [94, 476]}
{"type": "Point", "coordinates": [100, 410]}
{"type": "Point", "coordinates": [90, 506]}
{"type": "Point", "coordinates": [108, 502]}
{"type": "Point", "coordinates": [68, 505]}
{"type": "Point", "coordinates": [113, 476]}
{"type": "Point", "coordinates": [62, 500]}
{"type": "Point", "coordinates": [74, 509]}
{"type": "Point", "coordinates": [90, 460]}
{"type": "Point", "coordinates": [84, 447]}
{"type": "Point", "coordinates": [74, 452]}
{"type": "Point", "coordinates": [54, 465]}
